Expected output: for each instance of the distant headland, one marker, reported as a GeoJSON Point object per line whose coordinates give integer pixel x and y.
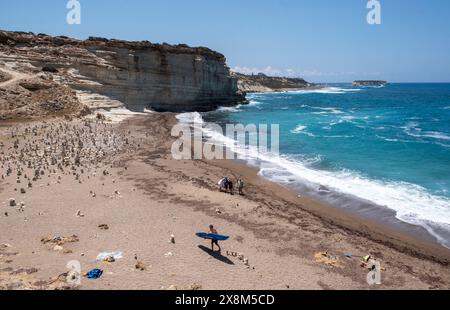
{"type": "Point", "coordinates": [369, 83]}
{"type": "Point", "coordinates": [261, 83]}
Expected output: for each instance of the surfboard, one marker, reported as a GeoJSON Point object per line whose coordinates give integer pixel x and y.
{"type": "Point", "coordinates": [212, 236]}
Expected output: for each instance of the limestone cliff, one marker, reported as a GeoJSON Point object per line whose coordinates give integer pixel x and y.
{"type": "Point", "coordinates": [138, 75]}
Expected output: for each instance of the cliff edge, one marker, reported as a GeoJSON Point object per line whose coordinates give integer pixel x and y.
{"type": "Point", "coordinates": [105, 73]}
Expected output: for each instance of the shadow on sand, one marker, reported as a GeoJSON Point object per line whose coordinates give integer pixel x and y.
{"type": "Point", "coordinates": [216, 255]}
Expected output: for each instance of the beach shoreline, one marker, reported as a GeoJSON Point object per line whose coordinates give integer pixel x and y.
{"type": "Point", "coordinates": [145, 196]}
{"type": "Point", "coordinates": [395, 233]}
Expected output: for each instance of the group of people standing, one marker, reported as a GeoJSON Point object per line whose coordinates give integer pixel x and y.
{"type": "Point", "coordinates": [226, 185]}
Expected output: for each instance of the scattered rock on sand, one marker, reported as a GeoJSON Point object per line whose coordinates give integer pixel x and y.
{"type": "Point", "coordinates": [58, 248]}
{"type": "Point", "coordinates": [79, 214]}
{"type": "Point", "coordinates": [12, 202]}
{"type": "Point", "coordinates": [60, 240]}
{"type": "Point", "coordinates": [327, 259]}
{"type": "Point", "coordinates": [194, 287]}
{"type": "Point", "coordinates": [246, 262]}
{"type": "Point", "coordinates": [5, 246]}
{"type": "Point", "coordinates": [103, 227]}
{"type": "Point", "coordinates": [140, 266]}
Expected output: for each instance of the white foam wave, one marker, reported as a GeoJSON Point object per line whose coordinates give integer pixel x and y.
{"type": "Point", "coordinates": [436, 135]}
{"type": "Point", "coordinates": [444, 145]}
{"type": "Point", "coordinates": [412, 129]}
{"type": "Point", "coordinates": [325, 110]}
{"type": "Point", "coordinates": [298, 129]}
{"type": "Point", "coordinates": [253, 103]}
{"type": "Point", "coordinates": [339, 136]}
{"type": "Point", "coordinates": [325, 90]}
{"type": "Point", "coordinates": [412, 203]}
{"type": "Point", "coordinates": [190, 117]}
{"type": "Point", "coordinates": [229, 109]}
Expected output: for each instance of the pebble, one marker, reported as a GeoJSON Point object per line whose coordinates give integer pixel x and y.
{"type": "Point", "coordinates": [103, 227]}
{"type": "Point", "coordinates": [79, 214]}
{"type": "Point", "coordinates": [140, 266]}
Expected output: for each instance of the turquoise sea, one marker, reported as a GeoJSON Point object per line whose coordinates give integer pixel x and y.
{"type": "Point", "coordinates": [368, 148]}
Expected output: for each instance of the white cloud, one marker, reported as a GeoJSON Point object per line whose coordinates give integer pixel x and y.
{"type": "Point", "coordinates": [267, 71]}
{"type": "Point", "coordinates": [313, 74]}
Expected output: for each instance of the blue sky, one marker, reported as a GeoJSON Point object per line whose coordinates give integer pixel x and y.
{"type": "Point", "coordinates": [321, 40]}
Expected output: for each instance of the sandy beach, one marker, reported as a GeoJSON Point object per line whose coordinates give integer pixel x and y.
{"type": "Point", "coordinates": [117, 189]}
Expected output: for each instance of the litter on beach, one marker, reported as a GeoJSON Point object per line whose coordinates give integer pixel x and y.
{"type": "Point", "coordinates": [111, 256]}
{"type": "Point", "coordinates": [94, 274]}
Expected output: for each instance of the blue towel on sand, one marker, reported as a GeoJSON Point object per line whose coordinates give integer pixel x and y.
{"type": "Point", "coordinates": [94, 274]}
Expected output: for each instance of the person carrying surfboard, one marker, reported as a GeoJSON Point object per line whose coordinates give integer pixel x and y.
{"type": "Point", "coordinates": [212, 230]}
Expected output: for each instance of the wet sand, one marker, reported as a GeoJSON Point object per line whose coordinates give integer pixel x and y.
{"type": "Point", "coordinates": [145, 197]}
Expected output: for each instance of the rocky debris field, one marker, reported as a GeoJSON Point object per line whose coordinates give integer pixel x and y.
{"type": "Point", "coordinates": [38, 96]}
{"type": "Point", "coordinates": [4, 77]}
{"type": "Point", "coordinates": [44, 149]}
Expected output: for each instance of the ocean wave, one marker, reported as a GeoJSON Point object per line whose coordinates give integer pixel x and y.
{"type": "Point", "coordinates": [387, 139]}
{"type": "Point", "coordinates": [444, 145]}
{"type": "Point", "coordinates": [229, 109]}
{"type": "Point", "coordinates": [325, 110]}
{"type": "Point", "coordinates": [300, 129]}
{"type": "Point", "coordinates": [340, 136]}
{"type": "Point", "coordinates": [373, 86]}
{"type": "Point", "coordinates": [436, 135]}
{"type": "Point", "coordinates": [412, 129]}
{"type": "Point", "coordinates": [325, 90]}
{"type": "Point", "coordinates": [190, 117]}
{"type": "Point", "coordinates": [253, 103]}
{"type": "Point", "coordinates": [412, 203]}
{"type": "Point", "coordinates": [348, 118]}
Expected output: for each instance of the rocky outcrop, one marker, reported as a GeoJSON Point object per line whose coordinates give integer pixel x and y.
{"type": "Point", "coordinates": [139, 75]}
{"type": "Point", "coordinates": [38, 97]}
{"type": "Point", "coordinates": [261, 83]}
{"type": "Point", "coordinates": [369, 83]}
{"type": "Point", "coordinates": [4, 76]}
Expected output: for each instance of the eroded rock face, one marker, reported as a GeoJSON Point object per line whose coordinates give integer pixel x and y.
{"type": "Point", "coordinates": [263, 83]}
{"type": "Point", "coordinates": [139, 74]}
